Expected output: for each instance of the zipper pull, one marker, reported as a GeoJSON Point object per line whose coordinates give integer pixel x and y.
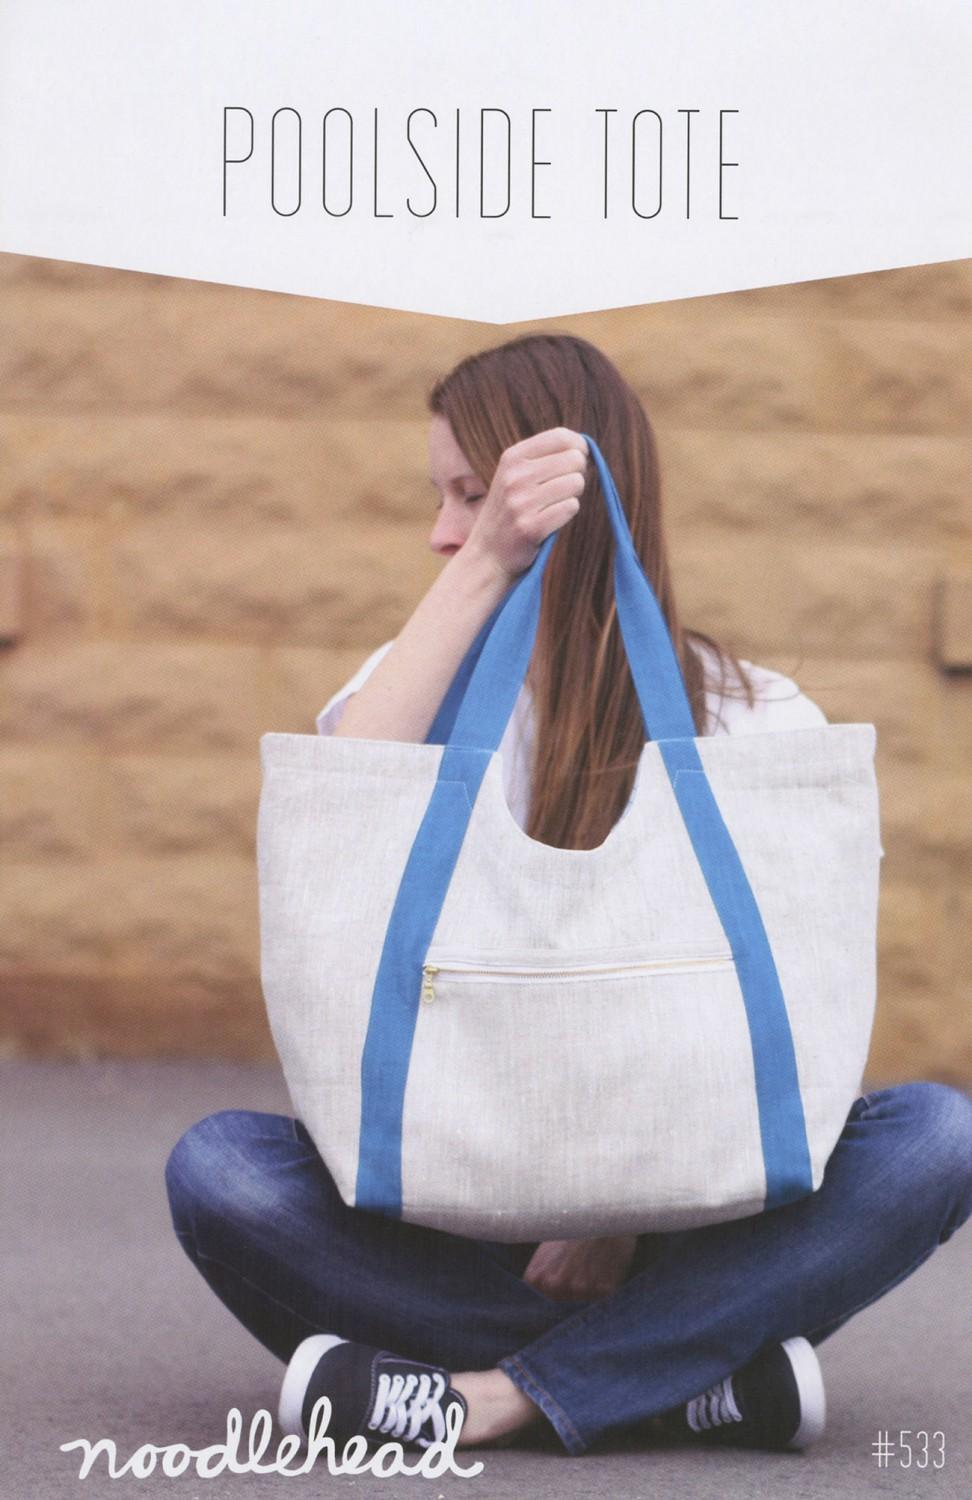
{"type": "Point", "coordinates": [429, 972]}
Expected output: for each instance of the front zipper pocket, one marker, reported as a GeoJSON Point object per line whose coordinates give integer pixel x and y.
{"type": "Point", "coordinates": [464, 971]}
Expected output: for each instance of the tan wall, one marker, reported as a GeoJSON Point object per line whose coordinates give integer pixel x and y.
{"type": "Point", "coordinates": [220, 503]}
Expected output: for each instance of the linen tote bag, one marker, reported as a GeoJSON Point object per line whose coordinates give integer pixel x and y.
{"type": "Point", "coordinates": [501, 1039]}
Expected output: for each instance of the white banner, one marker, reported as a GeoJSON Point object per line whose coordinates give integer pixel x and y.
{"type": "Point", "coordinates": [499, 161]}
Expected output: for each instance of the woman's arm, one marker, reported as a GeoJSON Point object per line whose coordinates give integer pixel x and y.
{"type": "Point", "coordinates": [401, 697]}
{"type": "Point", "coordinates": [536, 489]}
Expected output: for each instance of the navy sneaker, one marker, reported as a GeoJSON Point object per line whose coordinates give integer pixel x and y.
{"type": "Point", "coordinates": [776, 1401]}
{"type": "Point", "coordinates": [372, 1393]}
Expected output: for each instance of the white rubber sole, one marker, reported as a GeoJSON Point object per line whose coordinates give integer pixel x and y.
{"type": "Point", "coordinates": [813, 1401]}
{"type": "Point", "coordinates": [298, 1374]}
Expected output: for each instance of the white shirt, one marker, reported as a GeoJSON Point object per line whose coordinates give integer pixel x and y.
{"type": "Point", "coordinates": [779, 704]}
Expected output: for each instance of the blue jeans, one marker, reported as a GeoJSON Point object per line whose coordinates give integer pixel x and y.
{"type": "Point", "coordinates": [257, 1212]}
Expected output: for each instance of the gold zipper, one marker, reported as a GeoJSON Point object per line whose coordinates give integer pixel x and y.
{"type": "Point", "coordinates": [514, 972]}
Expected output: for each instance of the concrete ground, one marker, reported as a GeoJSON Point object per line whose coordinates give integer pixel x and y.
{"type": "Point", "coordinates": [110, 1332]}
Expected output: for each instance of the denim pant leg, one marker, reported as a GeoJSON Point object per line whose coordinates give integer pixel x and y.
{"type": "Point", "coordinates": [898, 1184]}
{"type": "Point", "coordinates": [258, 1213]}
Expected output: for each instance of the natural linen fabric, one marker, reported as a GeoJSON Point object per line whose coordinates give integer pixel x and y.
{"type": "Point", "coordinates": [494, 1037]}
{"type": "Point", "coordinates": [534, 1108]}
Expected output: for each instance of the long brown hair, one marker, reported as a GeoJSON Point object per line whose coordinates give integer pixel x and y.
{"type": "Point", "coordinates": [589, 732]}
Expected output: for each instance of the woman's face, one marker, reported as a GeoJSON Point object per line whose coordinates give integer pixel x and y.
{"type": "Point", "coordinates": [460, 491]}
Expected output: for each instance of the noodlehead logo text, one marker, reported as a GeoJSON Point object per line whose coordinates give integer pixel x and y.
{"type": "Point", "coordinates": [175, 1459]}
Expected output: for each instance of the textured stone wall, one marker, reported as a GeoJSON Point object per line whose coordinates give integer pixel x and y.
{"type": "Point", "coordinates": [215, 502]}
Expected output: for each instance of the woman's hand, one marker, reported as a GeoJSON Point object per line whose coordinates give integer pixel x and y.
{"type": "Point", "coordinates": [580, 1270]}
{"type": "Point", "coordinates": [536, 489]}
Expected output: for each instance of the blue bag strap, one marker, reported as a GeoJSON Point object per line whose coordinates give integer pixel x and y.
{"type": "Point", "coordinates": [503, 656]}
{"type": "Point", "coordinates": [472, 720]}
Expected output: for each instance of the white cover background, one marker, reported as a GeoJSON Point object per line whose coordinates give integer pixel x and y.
{"type": "Point", "coordinates": [853, 140]}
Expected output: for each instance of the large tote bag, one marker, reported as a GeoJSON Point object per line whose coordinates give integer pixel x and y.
{"type": "Point", "coordinates": [494, 1037]}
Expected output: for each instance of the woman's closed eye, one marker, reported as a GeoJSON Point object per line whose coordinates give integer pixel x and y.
{"type": "Point", "coordinates": [464, 500]}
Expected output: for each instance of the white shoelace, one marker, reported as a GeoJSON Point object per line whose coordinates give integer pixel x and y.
{"type": "Point", "coordinates": [714, 1407]}
{"type": "Point", "coordinates": [404, 1403]}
